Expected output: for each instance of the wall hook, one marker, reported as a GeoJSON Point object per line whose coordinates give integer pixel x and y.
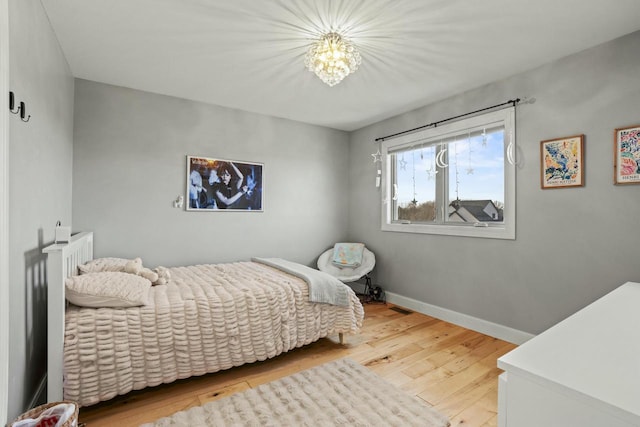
{"type": "Point", "coordinates": [23, 113]}
{"type": "Point", "coordinates": [12, 103]}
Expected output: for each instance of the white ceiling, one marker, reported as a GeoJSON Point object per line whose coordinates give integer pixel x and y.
{"type": "Point", "coordinates": [249, 54]}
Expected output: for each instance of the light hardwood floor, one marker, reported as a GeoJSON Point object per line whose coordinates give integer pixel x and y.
{"type": "Point", "coordinates": [451, 368]}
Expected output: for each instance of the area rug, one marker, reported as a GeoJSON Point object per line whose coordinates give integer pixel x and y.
{"type": "Point", "coordinates": [340, 393]}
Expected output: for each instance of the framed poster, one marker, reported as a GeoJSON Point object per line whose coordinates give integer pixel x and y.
{"type": "Point", "coordinates": [223, 185]}
{"type": "Point", "coordinates": [626, 155]}
{"type": "Point", "coordinates": [562, 162]}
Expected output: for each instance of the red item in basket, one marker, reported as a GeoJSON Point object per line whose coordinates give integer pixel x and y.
{"type": "Point", "coordinates": [48, 421]}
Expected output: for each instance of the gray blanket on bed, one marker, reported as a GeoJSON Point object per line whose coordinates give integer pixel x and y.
{"type": "Point", "coordinates": [323, 288]}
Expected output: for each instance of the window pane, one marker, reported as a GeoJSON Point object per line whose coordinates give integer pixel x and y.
{"type": "Point", "coordinates": [415, 178]}
{"type": "Point", "coordinates": [476, 177]}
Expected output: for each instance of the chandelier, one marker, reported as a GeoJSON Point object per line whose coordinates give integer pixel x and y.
{"type": "Point", "coordinates": [332, 58]}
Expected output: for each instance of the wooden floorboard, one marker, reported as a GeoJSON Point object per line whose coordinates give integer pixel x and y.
{"type": "Point", "coordinates": [449, 367]}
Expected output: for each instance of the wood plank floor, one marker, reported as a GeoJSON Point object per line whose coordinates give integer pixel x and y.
{"type": "Point", "coordinates": [451, 368]}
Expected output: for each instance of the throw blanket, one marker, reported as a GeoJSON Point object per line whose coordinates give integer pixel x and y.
{"type": "Point", "coordinates": [348, 254]}
{"type": "Point", "coordinates": [323, 288]}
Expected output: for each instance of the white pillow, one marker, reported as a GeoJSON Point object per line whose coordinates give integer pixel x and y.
{"type": "Point", "coordinates": [108, 289]}
{"type": "Point", "coordinates": [103, 264]}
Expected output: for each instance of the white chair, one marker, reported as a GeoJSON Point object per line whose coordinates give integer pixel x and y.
{"type": "Point", "coordinates": [348, 274]}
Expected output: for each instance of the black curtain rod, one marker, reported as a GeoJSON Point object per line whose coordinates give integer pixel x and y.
{"type": "Point", "coordinates": [435, 124]}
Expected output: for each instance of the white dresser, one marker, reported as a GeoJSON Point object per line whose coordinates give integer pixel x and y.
{"type": "Point", "coordinates": [582, 372]}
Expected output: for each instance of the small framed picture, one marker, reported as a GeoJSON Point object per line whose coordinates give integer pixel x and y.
{"type": "Point", "coordinates": [562, 162]}
{"type": "Point", "coordinates": [626, 155]}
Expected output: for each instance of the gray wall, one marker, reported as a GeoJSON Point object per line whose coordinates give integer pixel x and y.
{"type": "Point", "coordinates": [572, 245]}
{"type": "Point", "coordinates": [129, 164]}
{"type": "Point", "coordinates": [40, 153]}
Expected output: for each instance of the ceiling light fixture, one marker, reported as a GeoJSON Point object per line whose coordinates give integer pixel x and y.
{"type": "Point", "coordinates": [332, 58]}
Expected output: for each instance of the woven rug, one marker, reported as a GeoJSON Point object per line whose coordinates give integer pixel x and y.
{"type": "Point", "coordinates": [341, 393]}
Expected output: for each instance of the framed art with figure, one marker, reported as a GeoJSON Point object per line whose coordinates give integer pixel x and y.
{"type": "Point", "coordinates": [223, 185]}
{"type": "Point", "coordinates": [562, 162]}
{"type": "Point", "coordinates": [626, 155]}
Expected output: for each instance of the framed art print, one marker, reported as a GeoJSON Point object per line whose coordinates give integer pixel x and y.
{"type": "Point", "coordinates": [626, 155]}
{"type": "Point", "coordinates": [562, 162]}
{"type": "Point", "coordinates": [216, 185]}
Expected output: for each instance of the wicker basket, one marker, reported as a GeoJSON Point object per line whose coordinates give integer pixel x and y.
{"type": "Point", "coordinates": [35, 413]}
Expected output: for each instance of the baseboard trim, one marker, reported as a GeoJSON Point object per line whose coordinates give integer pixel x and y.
{"type": "Point", "coordinates": [479, 325]}
{"type": "Point", "coordinates": [40, 395]}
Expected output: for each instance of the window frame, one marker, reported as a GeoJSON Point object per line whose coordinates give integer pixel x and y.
{"type": "Point", "coordinates": [503, 230]}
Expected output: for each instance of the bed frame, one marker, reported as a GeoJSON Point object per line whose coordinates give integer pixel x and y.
{"type": "Point", "coordinates": [63, 260]}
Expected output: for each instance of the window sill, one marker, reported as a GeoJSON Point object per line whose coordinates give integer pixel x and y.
{"type": "Point", "coordinates": [490, 232]}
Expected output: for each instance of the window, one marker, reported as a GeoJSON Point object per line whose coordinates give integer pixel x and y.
{"type": "Point", "coordinates": [456, 179]}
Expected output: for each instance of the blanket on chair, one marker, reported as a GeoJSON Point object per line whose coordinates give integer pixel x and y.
{"type": "Point", "coordinates": [323, 288]}
{"type": "Point", "coordinates": [348, 254]}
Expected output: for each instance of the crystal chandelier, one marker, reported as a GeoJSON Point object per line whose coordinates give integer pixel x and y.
{"type": "Point", "coordinates": [332, 58]}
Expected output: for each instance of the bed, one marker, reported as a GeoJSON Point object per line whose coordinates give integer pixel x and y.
{"type": "Point", "coordinates": [205, 319]}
